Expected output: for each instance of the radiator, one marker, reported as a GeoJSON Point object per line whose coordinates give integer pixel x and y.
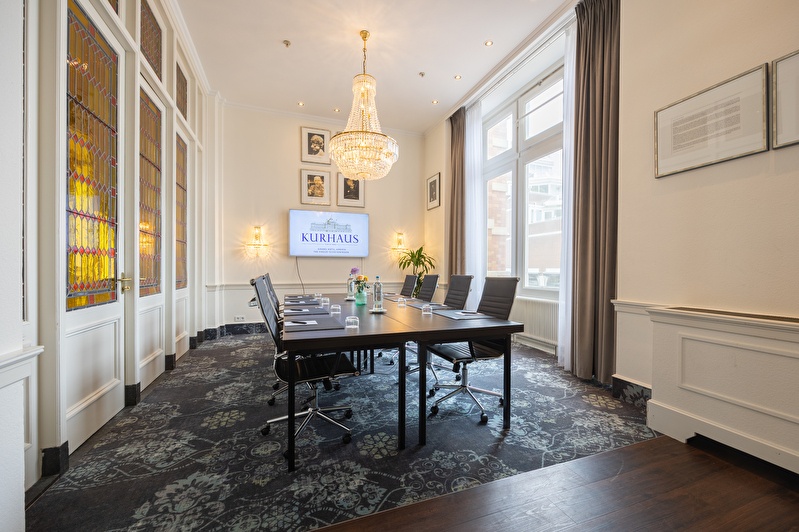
{"type": "Point", "coordinates": [540, 318]}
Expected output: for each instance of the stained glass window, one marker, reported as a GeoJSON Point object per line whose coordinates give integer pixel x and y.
{"type": "Point", "coordinates": [149, 197]}
{"type": "Point", "coordinates": [182, 93]}
{"type": "Point", "coordinates": [181, 213]}
{"type": "Point", "coordinates": [150, 38]}
{"type": "Point", "coordinates": [91, 232]}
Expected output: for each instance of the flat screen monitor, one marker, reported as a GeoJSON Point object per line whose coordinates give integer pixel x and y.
{"type": "Point", "coordinates": [328, 234]}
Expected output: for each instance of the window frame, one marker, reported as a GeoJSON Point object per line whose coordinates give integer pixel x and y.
{"type": "Point", "coordinates": [523, 151]}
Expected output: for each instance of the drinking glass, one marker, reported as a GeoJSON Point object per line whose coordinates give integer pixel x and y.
{"type": "Point", "coordinates": [325, 301]}
{"type": "Point", "coordinates": [401, 302]}
{"type": "Point", "coordinates": [335, 309]}
{"type": "Point", "coordinates": [351, 322]}
{"type": "Point", "coordinates": [427, 310]}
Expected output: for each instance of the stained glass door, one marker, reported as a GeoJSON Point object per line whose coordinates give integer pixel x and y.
{"type": "Point", "coordinates": [94, 283]}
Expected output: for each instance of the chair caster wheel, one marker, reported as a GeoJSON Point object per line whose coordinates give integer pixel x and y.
{"type": "Point", "coordinates": [347, 438]}
{"type": "Point", "coordinates": [407, 368]}
{"type": "Point", "coordinates": [483, 419]}
{"type": "Point", "coordinates": [275, 386]}
{"type": "Point", "coordinates": [348, 413]}
{"type": "Point", "coordinates": [390, 362]}
{"type": "Point", "coordinates": [286, 455]}
{"type": "Point", "coordinates": [337, 386]}
{"type": "Point", "coordinates": [380, 354]}
{"type": "Point", "coordinates": [457, 377]}
{"type": "Point", "coordinates": [270, 401]}
{"type": "Point", "coordinates": [501, 401]}
{"type": "Point", "coordinates": [265, 430]}
{"type": "Point", "coordinates": [434, 409]}
{"type": "Point", "coordinates": [431, 393]}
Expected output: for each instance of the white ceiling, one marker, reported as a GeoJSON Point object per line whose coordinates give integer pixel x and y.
{"type": "Point", "coordinates": [240, 45]}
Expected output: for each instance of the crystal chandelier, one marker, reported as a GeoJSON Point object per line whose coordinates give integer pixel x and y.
{"type": "Point", "coordinates": [362, 151]}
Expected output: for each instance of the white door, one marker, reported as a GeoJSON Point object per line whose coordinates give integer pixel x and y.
{"type": "Point", "coordinates": [93, 282]}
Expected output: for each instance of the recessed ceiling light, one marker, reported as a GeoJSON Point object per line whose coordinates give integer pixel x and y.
{"type": "Point", "coordinates": [489, 42]}
{"type": "Point", "coordinates": [435, 102]}
{"type": "Point", "coordinates": [301, 104]}
{"type": "Point", "coordinates": [457, 76]}
{"type": "Point", "coordinates": [336, 110]}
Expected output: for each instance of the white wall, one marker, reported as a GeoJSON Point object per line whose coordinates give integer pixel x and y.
{"type": "Point", "coordinates": [261, 182]}
{"type": "Point", "coordinates": [437, 160]}
{"type": "Point", "coordinates": [722, 236]}
{"type": "Point", "coordinates": [12, 480]}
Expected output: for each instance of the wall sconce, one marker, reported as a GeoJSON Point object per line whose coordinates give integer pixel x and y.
{"type": "Point", "coordinates": [399, 242]}
{"type": "Point", "coordinates": [256, 247]}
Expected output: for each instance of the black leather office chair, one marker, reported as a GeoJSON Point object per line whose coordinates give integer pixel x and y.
{"type": "Point", "coordinates": [408, 286]}
{"type": "Point", "coordinates": [457, 294]}
{"type": "Point", "coordinates": [458, 291]}
{"type": "Point", "coordinates": [311, 370]}
{"type": "Point", "coordinates": [496, 301]}
{"type": "Point", "coordinates": [428, 288]}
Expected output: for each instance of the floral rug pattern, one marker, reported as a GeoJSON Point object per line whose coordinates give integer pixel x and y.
{"type": "Point", "coordinates": [191, 456]}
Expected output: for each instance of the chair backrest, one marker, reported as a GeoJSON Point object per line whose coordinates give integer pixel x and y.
{"type": "Point", "coordinates": [428, 288]}
{"type": "Point", "coordinates": [458, 291]}
{"type": "Point", "coordinates": [272, 294]}
{"type": "Point", "coordinates": [268, 311]}
{"type": "Point", "coordinates": [498, 296]}
{"type": "Point", "coordinates": [408, 286]}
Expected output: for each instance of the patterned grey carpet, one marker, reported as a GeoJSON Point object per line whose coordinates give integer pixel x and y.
{"type": "Point", "coordinates": [191, 456]}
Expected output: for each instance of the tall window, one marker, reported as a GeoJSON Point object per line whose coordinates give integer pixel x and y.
{"type": "Point", "coordinates": [181, 213]}
{"type": "Point", "coordinates": [523, 176]}
{"type": "Point", "coordinates": [91, 167]}
{"type": "Point", "coordinates": [149, 197]}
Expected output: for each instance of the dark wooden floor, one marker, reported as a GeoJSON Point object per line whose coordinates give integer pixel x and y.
{"type": "Point", "coordinates": [660, 484]}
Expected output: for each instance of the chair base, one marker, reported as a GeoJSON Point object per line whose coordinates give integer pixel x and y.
{"type": "Point", "coordinates": [315, 411]}
{"type": "Point", "coordinates": [464, 388]}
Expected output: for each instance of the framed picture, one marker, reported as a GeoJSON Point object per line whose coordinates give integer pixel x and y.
{"type": "Point", "coordinates": [433, 191]}
{"type": "Point", "coordinates": [315, 145]}
{"type": "Point", "coordinates": [726, 121]}
{"type": "Point", "coordinates": [315, 187]}
{"type": "Point", "coordinates": [351, 192]}
{"type": "Point", "coordinates": [785, 100]}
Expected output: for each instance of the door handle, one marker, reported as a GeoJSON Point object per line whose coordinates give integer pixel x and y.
{"type": "Point", "coordinates": [123, 280]}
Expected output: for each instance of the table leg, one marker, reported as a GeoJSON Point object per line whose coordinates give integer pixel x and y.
{"type": "Point", "coordinates": [401, 403]}
{"type": "Point", "coordinates": [291, 420]}
{"type": "Point", "coordinates": [506, 381]}
{"type": "Point", "coordinates": [421, 359]}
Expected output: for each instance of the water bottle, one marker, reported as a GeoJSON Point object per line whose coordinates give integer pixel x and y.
{"type": "Point", "coordinates": [377, 291]}
{"type": "Point", "coordinates": [350, 288]}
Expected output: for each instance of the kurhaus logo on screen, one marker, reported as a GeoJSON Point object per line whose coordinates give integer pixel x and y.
{"type": "Point", "coordinates": [328, 234]}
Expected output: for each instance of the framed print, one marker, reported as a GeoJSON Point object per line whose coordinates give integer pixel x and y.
{"type": "Point", "coordinates": [726, 121]}
{"type": "Point", "coordinates": [785, 101]}
{"type": "Point", "coordinates": [315, 145]}
{"type": "Point", "coordinates": [315, 187]}
{"type": "Point", "coordinates": [351, 192]}
{"type": "Point", "coordinates": [434, 191]}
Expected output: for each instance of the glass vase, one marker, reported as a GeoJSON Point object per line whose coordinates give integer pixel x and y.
{"type": "Point", "coordinates": [360, 298]}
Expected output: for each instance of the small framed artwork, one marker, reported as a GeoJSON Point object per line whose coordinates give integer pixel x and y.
{"type": "Point", "coordinates": [351, 192]}
{"type": "Point", "coordinates": [315, 187]}
{"type": "Point", "coordinates": [434, 191]}
{"type": "Point", "coordinates": [785, 101]}
{"type": "Point", "coordinates": [315, 145]}
{"type": "Point", "coordinates": [726, 121]}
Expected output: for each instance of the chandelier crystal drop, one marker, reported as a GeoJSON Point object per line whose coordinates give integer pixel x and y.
{"type": "Point", "coordinates": [362, 151]}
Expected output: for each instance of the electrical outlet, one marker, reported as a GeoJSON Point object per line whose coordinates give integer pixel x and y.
{"type": "Point", "coordinates": [238, 319]}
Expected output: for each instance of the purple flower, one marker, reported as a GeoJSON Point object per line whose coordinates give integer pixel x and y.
{"type": "Point", "coordinates": [355, 271]}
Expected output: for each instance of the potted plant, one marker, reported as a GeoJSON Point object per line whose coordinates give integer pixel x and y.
{"type": "Point", "coordinates": [419, 261]}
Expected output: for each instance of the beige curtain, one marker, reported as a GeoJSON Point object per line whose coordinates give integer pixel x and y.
{"type": "Point", "coordinates": [596, 184]}
{"type": "Point", "coordinates": [457, 213]}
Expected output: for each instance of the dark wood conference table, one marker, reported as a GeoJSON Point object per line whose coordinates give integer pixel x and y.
{"type": "Point", "coordinates": [393, 329]}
